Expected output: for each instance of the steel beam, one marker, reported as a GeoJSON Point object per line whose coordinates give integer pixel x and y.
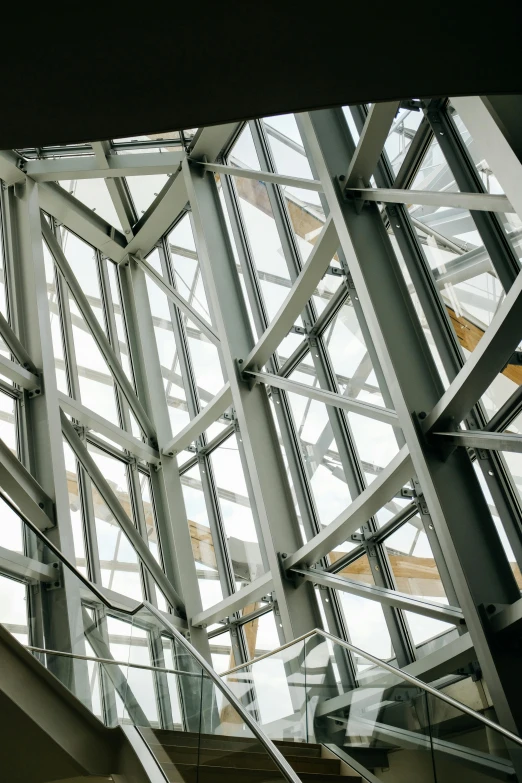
{"type": "Point", "coordinates": [447, 614]}
{"type": "Point", "coordinates": [24, 490]}
{"type": "Point", "coordinates": [263, 456]}
{"type": "Point", "coordinates": [81, 220]}
{"type": "Point", "coordinates": [118, 189]}
{"type": "Point", "coordinates": [370, 145]}
{"type": "Point", "coordinates": [478, 440]}
{"type": "Point", "coordinates": [492, 143]}
{"type": "Point", "coordinates": [97, 332]}
{"type": "Point", "coordinates": [15, 346]}
{"type": "Point", "coordinates": [329, 398]}
{"type": "Point", "coordinates": [159, 217]}
{"type": "Point", "coordinates": [94, 421]}
{"type": "Point", "coordinates": [58, 610]}
{"type": "Point", "coordinates": [234, 603]}
{"type": "Point", "coordinates": [261, 176]}
{"type": "Point", "coordinates": [19, 375]}
{"type": "Point", "coordinates": [432, 198]}
{"type": "Point", "coordinates": [297, 298]}
{"type": "Point", "coordinates": [178, 300]}
{"type": "Point", "coordinates": [390, 479]}
{"type": "Point", "coordinates": [482, 367]}
{"type": "Point", "coordinates": [26, 568]}
{"type": "Point", "coordinates": [176, 544]}
{"type": "Point", "coordinates": [212, 142]}
{"type": "Point", "coordinates": [116, 509]}
{"type": "Point", "coordinates": [121, 165]}
{"type": "Point", "coordinates": [196, 426]}
{"type": "Point", "coordinates": [467, 534]}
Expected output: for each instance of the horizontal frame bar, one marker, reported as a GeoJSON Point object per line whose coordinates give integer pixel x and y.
{"type": "Point", "coordinates": [479, 440]}
{"type": "Point", "coordinates": [19, 375]}
{"type": "Point", "coordinates": [130, 165]}
{"type": "Point", "coordinates": [447, 614]}
{"type": "Point", "coordinates": [262, 176]}
{"type": "Point", "coordinates": [478, 202]}
{"type": "Point", "coordinates": [329, 398]}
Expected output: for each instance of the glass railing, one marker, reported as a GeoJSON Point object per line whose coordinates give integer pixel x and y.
{"type": "Point", "coordinates": [134, 667]}
{"type": "Point", "coordinates": [380, 719]}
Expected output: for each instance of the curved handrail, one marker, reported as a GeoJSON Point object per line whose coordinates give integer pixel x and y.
{"type": "Point", "coordinates": [387, 667]}
{"type": "Point", "coordinates": [272, 750]}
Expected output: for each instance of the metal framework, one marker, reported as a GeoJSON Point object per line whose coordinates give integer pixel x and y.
{"type": "Point", "coordinates": [283, 396]}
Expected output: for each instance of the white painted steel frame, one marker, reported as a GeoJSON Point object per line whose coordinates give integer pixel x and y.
{"type": "Point", "coordinates": [185, 185]}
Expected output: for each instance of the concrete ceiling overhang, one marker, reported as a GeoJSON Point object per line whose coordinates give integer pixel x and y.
{"type": "Point", "coordinates": [118, 72]}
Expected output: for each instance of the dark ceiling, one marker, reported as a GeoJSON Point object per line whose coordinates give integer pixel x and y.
{"type": "Point", "coordinates": [127, 71]}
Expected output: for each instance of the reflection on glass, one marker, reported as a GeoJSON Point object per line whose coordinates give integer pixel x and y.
{"type": "Point", "coordinates": [201, 538]}
{"type": "Point", "coordinates": [235, 508]}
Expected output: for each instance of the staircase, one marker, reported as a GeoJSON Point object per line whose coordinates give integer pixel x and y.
{"type": "Point", "coordinates": [222, 759]}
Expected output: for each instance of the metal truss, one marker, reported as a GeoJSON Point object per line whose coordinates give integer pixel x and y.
{"type": "Point", "coordinates": [370, 228]}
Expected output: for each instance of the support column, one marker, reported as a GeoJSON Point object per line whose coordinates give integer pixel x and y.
{"type": "Point", "coordinates": [62, 606]}
{"type": "Point", "coordinates": [172, 522]}
{"type": "Point", "coordinates": [469, 541]}
{"type": "Point", "coordinates": [298, 609]}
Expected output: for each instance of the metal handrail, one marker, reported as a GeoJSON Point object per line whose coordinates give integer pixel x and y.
{"type": "Point", "coordinates": [274, 753]}
{"type": "Point", "coordinates": [387, 667]}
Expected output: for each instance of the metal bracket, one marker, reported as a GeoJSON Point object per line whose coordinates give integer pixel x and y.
{"type": "Point", "coordinates": [57, 583]}
{"type": "Point", "coordinates": [294, 579]}
{"type": "Point", "coordinates": [250, 381]}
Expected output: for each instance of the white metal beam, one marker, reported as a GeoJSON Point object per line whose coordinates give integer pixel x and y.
{"type": "Point", "coordinates": [297, 298]}
{"type": "Point", "coordinates": [117, 510]}
{"type": "Point", "coordinates": [94, 421]}
{"type": "Point", "coordinates": [178, 300]}
{"type": "Point", "coordinates": [487, 360]}
{"type": "Point", "coordinates": [162, 213]}
{"type": "Point", "coordinates": [81, 220]}
{"type": "Point", "coordinates": [447, 614]}
{"type": "Point", "coordinates": [235, 602]}
{"type": "Point", "coordinates": [97, 332]}
{"type": "Point", "coordinates": [329, 398]}
{"type": "Point", "coordinates": [262, 176]}
{"type": "Point", "coordinates": [87, 167]}
{"type": "Point", "coordinates": [10, 170]}
{"type": "Point", "coordinates": [24, 490]}
{"type": "Point", "coordinates": [207, 416]}
{"type": "Point", "coordinates": [18, 374]}
{"type": "Point", "coordinates": [23, 567]}
{"type": "Point", "coordinates": [371, 143]}
{"type": "Point", "coordinates": [392, 478]}
{"type": "Point", "coordinates": [470, 201]}
{"type": "Point", "coordinates": [493, 145]}
{"type": "Point", "coordinates": [499, 441]}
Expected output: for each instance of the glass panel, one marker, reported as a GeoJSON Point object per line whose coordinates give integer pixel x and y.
{"type": "Point", "coordinates": [145, 189]}
{"type": "Point", "coordinates": [201, 538]}
{"type": "Point", "coordinates": [235, 508]}
{"type": "Point", "coordinates": [416, 574]}
{"type": "Point", "coordinates": [94, 194]}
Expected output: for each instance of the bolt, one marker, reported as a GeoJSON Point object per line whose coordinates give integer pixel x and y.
{"type": "Point", "coordinates": [240, 361]}
{"type": "Point", "coordinates": [422, 415]}
{"type": "Point", "coordinates": [342, 178]}
{"type": "Point", "coordinates": [56, 584]}
{"type": "Point", "coordinates": [41, 505]}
